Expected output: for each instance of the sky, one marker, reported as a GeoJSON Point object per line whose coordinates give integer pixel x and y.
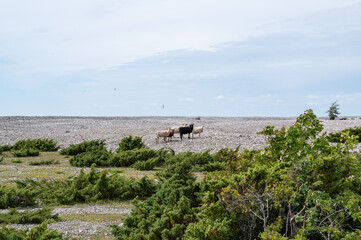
{"type": "Point", "coordinates": [232, 58]}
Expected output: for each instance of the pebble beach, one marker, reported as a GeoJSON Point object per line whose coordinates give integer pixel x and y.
{"type": "Point", "coordinates": [219, 132]}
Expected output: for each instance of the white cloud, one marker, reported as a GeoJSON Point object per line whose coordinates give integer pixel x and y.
{"type": "Point", "coordinates": [187, 99]}
{"type": "Point", "coordinates": [313, 97]}
{"type": "Point", "coordinates": [220, 97]}
{"type": "Point", "coordinates": [74, 35]}
{"type": "Point", "coordinates": [150, 105]}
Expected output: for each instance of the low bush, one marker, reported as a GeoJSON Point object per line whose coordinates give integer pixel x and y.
{"type": "Point", "coordinates": [40, 232]}
{"type": "Point", "coordinates": [86, 146]}
{"type": "Point", "coordinates": [41, 144]}
{"type": "Point", "coordinates": [5, 148]}
{"type": "Point", "coordinates": [166, 214]}
{"type": "Point", "coordinates": [212, 166]}
{"type": "Point", "coordinates": [27, 216]}
{"type": "Point", "coordinates": [204, 162]}
{"type": "Point", "coordinates": [336, 137]}
{"type": "Point", "coordinates": [16, 161]}
{"type": "Point", "coordinates": [146, 165]}
{"type": "Point", "coordinates": [43, 162]}
{"type": "Point", "coordinates": [88, 187]}
{"type": "Point", "coordinates": [130, 143]}
{"type": "Point", "coordinates": [128, 158]}
{"type": "Point", "coordinates": [25, 152]}
{"type": "Point", "coordinates": [11, 197]}
{"type": "Point", "coordinates": [100, 157]}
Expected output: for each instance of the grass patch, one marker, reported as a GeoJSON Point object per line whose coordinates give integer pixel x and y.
{"type": "Point", "coordinates": [43, 162]}
{"type": "Point", "coordinates": [16, 161]}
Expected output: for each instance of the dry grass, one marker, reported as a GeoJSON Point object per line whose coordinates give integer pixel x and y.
{"type": "Point", "coordinates": [12, 169]}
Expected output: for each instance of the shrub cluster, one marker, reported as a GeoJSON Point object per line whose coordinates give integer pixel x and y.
{"type": "Point", "coordinates": [87, 187]}
{"type": "Point", "coordinates": [43, 162]}
{"type": "Point", "coordinates": [130, 143]}
{"type": "Point", "coordinates": [25, 152]}
{"type": "Point", "coordinates": [5, 148]}
{"type": "Point", "coordinates": [128, 158]}
{"type": "Point", "coordinates": [27, 216]}
{"type": "Point", "coordinates": [298, 187]}
{"type": "Point", "coordinates": [87, 153]}
{"type": "Point", "coordinates": [131, 151]}
{"type": "Point", "coordinates": [337, 138]}
{"type": "Point", "coordinates": [41, 144]}
{"type": "Point", "coordinates": [11, 197]}
{"type": "Point", "coordinates": [165, 214]}
{"type": "Point", "coordinates": [86, 146]}
{"type": "Point", "coordinates": [30, 147]}
{"type": "Point", "coordinates": [40, 232]}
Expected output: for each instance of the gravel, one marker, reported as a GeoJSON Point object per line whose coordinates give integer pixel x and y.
{"type": "Point", "coordinates": [219, 132]}
{"type": "Point", "coordinates": [76, 228]}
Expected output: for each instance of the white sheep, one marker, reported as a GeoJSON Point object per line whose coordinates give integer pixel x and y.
{"type": "Point", "coordinates": [176, 128]}
{"type": "Point", "coordinates": [164, 134]}
{"type": "Point", "coordinates": [198, 130]}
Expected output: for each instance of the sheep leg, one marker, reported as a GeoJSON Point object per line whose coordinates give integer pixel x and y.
{"type": "Point", "coordinates": [181, 136]}
{"type": "Point", "coordinates": [189, 135]}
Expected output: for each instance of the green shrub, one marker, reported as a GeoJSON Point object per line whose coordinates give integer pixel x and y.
{"type": "Point", "coordinates": [11, 197]}
{"type": "Point", "coordinates": [201, 158]}
{"type": "Point", "coordinates": [100, 157]}
{"type": "Point", "coordinates": [128, 158]}
{"type": "Point", "coordinates": [213, 166]}
{"type": "Point", "coordinates": [298, 187]}
{"type": "Point", "coordinates": [25, 152]}
{"type": "Point", "coordinates": [40, 232]}
{"type": "Point", "coordinates": [166, 214]}
{"type": "Point", "coordinates": [5, 148]}
{"type": "Point", "coordinates": [86, 146]}
{"type": "Point", "coordinates": [2, 159]}
{"type": "Point", "coordinates": [27, 216]}
{"type": "Point", "coordinates": [88, 187]}
{"type": "Point", "coordinates": [336, 137]}
{"type": "Point", "coordinates": [128, 143]}
{"type": "Point", "coordinates": [16, 161]}
{"type": "Point", "coordinates": [43, 162]}
{"type": "Point", "coordinates": [199, 161]}
{"type": "Point", "coordinates": [146, 165]}
{"type": "Point", "coordinates": [41, 144]}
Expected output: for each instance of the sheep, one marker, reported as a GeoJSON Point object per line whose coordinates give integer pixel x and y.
{"type": "Point", "coordinates": [176, 128]}
{"type": "Point", "coordinates": [164, 134]}
{"type": "Point", "coordinates": [198, 130]}
{"type": "Point", "coordinates": [185, 130]}
{"type": "Point", "coordinates": [171, 134]}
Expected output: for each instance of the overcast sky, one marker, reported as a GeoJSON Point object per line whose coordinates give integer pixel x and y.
{"type": "Point", "coordinates": [179, 58]}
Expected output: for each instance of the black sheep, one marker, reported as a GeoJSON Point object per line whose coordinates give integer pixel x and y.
{"type": "Point", "coordinates": [185, 130]}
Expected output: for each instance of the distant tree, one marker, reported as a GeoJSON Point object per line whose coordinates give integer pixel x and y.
{"type": "Point", "coordinates": [333, 111]}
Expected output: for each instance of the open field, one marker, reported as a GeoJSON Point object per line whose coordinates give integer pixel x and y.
{"type": "Point", "coordinates": [89, 221]}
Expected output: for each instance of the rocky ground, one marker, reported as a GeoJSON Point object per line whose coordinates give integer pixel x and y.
{"type": "Point", "coordinates": [219, 132]}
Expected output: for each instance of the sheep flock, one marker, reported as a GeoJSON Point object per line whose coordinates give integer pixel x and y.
{"type": "Point", "coordinates": [183, 129]}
